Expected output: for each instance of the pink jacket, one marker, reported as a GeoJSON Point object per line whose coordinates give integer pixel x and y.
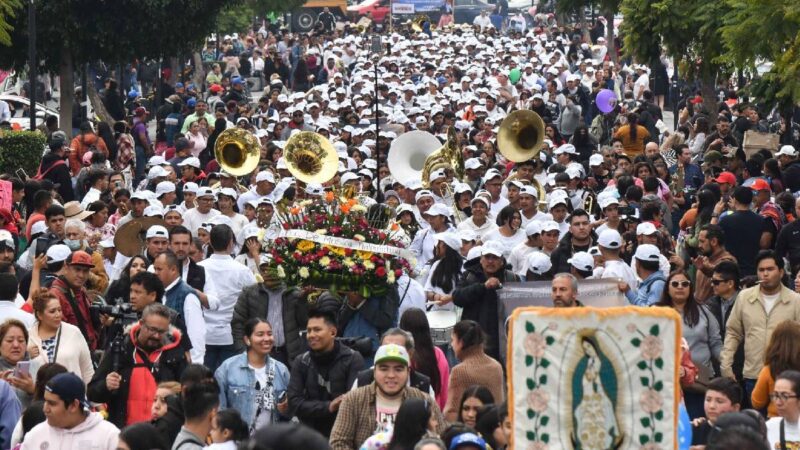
{"type": "Point", "coordinates": [444, 377]}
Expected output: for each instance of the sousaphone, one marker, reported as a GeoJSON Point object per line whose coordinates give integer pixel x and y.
{"type": "Point", "coordinates": [310, 157]}
{"type": "Point", "coordinates": [130, 238]}
{"type": "Point", "coordinates": [237, 151]}
{"type": "Point", "coordinates": [408, 153]}
{"type": "Point", "coordinates": [521, 136]}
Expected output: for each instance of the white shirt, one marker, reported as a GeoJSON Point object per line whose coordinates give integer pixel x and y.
{"type": "Point", "coordinates": [193, 218]}
{"type": "Point", "coordinates": [495, 207]}
{"type": "Point", "coordinates": [429, 287]}
{"type": "Point", "coordinates": [91, 196]}
{"type": "Point", "coordinates": [618, 269]}
{"type": "Point", "coordinates": [237, 277]}
{"type": "Point", "coordinates": [508, 243]}
{"type": "Point", "coordinates": [791, 433]}
{"type": "Point", "coordinates": [8, 310]}
{"type": "Point", "coordinates": [480, 231]}
{"type": "Point", "coordinates": [422, 246]}
{"type": "Point", "coordinates": [411, 294]}
{"type": "Point", "coordinates": [195, 324]}
{"type": "Point", "coordinates": [482, 21]}
{"type": "Point", "coordinates": [519, 257]}
{"type": "Point", "coordinates": [769, 301]}
{"type": "Point", "coordinates": [539, 216]}
{"type": "Point", "coordinates": [5, 112]}
{"type": "Point", "coordinates": [642, 84]}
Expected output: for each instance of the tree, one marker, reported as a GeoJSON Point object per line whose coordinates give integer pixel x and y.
{"type": "Point", "coordinates": [688, 30]}
{"type": "Point", "coordinates": [608, 8]}
{"type": "Point", "coordinates": [8, 10]}
{"type": "Point", "coordinates": [766, 30]}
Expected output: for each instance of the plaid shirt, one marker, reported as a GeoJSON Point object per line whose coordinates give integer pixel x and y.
{"type": "Point", "coordinates": [356, 420]}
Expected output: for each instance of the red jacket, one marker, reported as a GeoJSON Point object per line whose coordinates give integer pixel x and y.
{"type": "Point", "coordinates": [82, 318]}
{"type": "Point", "coordinates": [80, 145]}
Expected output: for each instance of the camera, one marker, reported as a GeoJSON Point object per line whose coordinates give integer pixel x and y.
{"type": "Point", "coordinates": [118, 311]}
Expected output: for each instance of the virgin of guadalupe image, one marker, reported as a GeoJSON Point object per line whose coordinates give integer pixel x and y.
{"type": "Point", "coordinates": [594, 398]}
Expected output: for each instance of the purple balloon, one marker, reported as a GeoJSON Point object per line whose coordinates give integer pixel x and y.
{"type": "Point", "coordinates": [606, 101]}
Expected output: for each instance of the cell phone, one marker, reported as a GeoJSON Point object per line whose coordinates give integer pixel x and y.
{"type": "Point", "coordinates": [21, 174]}
{"type": "Point", "coordinates": [22, 368]}
{"type": "Point", "coordinates": [627, 211]}
{"type": "Point", "coordinates": [41, 247]}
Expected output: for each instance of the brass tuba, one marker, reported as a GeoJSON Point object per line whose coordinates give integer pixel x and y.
{"type": "Point", "coordinates": [237, 151]}
{"type": "Point", "coordinates": [521, 136]}
{"type": "Point", "coordinates": [310, 157]}
{"type": "Point", "coordinates": [418, 21]}
{"type": "Point", "coordinates": [448, 156]}
{"type": "Point", "coordinates": [408, 153]}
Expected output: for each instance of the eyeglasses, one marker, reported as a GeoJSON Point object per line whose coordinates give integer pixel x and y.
{"type": "Point", "coordinates": [683, 284]}
{"type": "Point", "coordinates": [154, 330]}
{"type": "Point", "coordinates": [782, 396]}
{"type": "Point", "coordinates": [717, 282]}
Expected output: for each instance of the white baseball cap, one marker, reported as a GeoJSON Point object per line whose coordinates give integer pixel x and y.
{"type": "Point", "coordinates": [550, 225]}
{"type": "Point", "coordinates": [348, 177]}
{"type": "Point", "coordinates": [595, 160]}
{"type": "Point", "coordinates": [646, 229]}
{"type": "Point", "coordinates": [606, 201]}
{"type": "Point", "coordinates": [191, 187]}
{"type": "Point", "coordinates": [421, 194]}
{"type": "Point", "coordinates": [533, 228]}
{"type": "Point", "coordinates": [472, 164]}
{"type": "Point", "coordinates": [610, 238]}
{"type": "Point", "coordinates": [787, 150]}
{"type": "Point", "coordinates": [492, 248]}
{"type": "Point", "coordinates": [157, 231]}
{"type": "Point", "coordinates": [647, 252]}
{"type": "Point", "coordinates": [230, 192]}
{"type": "Point", "coordinates": [57, 253]}
{"type": "Point", "coordinates": [529, 190]}
{"type": "Point", "coordinates": [265, 175]}
{"type": "Point", "coordinates": [153, 211]}
{"type": "Point", "coordinates": [582, 261]}
{"type": "Point", "coordinates": [436, 174]}
{"type": "Point", "coordinates": [205, 191]}
{"type": "Point", "coordinates": [438, 209]}
{"type": "Point", "coordinates": [539, 263]}
{"type": "Point", "coordinates": [190, 161]}
{"type": "Point", "coordinates": [164, 187]}
{"type": "Point", "coordinates": [555, 201]}
{"type": "Point", "coordinates": [156, 172]}
{"type": "Point", "coordinates": [450, 239]}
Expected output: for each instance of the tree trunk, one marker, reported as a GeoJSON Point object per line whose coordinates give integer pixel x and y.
{"type": "Point", "coordinates": [66, 86]}
{"type": "Point", "coordinates": [199, 73]}
{"type": "Point", "coordinates": [708, 90]}
{"type": "Point", "coordinates": [612, 50]}
{"type": "Point", "coordinates": [582, 22]}
{"type": "Point", "coordinates": [97, 104]}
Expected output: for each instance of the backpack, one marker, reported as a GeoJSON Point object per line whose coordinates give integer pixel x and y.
{"type": "Point", "coordinates": [41, 175]}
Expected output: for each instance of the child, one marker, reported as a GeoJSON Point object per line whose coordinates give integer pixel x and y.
{"type": "Point", "coordinates": [227, 429]}
{"type": "Point", "coordinates": [163, 391]}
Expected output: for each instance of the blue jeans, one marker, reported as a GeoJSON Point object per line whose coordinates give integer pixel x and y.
{"type": "Point", "coordinates": [217, 354]}
{"type": "Point", "coordinates": [141, 162]}
{"type": "Point", "coordinates": [749, 385]}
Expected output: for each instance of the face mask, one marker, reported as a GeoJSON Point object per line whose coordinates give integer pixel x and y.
{"type": "Point", "coordinates": [73, 244]}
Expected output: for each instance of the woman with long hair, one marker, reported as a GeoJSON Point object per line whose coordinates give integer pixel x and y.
{"type": "Point", "coordinates": [782, 354]}
{"type": "Point", "coordinates": [700, 329]}
{"type": "Point", "coordinates": [253, 382]}
{"type": "Point", "coordinates": [121, 288]}
{"type": "Point", "coordinates": [698, 216]}
{"type": "Point", "coordinates": [471, 402]}
{"type": "Point", "coordinates": [633, 136]}
{"type": "Point", "coordinates": [509, 232]}
{"type": "Point", "coordinates": [584, 142]}
{"type": "Point", "coordinates": [97, 226]}
{"type": "Point", "coordinates": [412, 423]}
{"type": "Point", "coordinates": [698, 136]}
{"type": "Point", "coordinates": [476, 367]}
{"type": "Point", "coordinates": [445, 270]}
{"type": "Point", "coordinates": [427, 358]}
{"type": "Point", "coordinates": [55, 341]}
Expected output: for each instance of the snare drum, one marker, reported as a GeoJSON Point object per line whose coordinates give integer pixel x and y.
{"type": "Point", "coordinates": [441, 323]}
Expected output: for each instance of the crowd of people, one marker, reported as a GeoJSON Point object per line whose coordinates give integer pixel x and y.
{"type": "Point", "coordinates": [194, 344]}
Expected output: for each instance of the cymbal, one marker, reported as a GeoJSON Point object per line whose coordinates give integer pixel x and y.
{"type": "Point", "coordinates": [130, 238]}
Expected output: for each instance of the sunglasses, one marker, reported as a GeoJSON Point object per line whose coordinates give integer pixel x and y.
{"type": "Point", "coordinates": [683, 284]}
{"type": "Point", "coordinates": [717, 282]}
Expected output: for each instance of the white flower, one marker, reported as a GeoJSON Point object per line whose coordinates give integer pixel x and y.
{"type": "Point", "coordinates": [321, 231]}
{"type": "Point", "coordinates": [281, 272]}
{"type": "Point", "coordinates": [368, 265]}
{"type": "Point", "coordinates": [324, 261]}
{"type": "Point", "coordinates": [358, 209]}
{"type": "Point", "coordinates": [359, 237]}
{"type": "Point", "coordinates": [303, 272]}
{"type": "Point", "coordinates": [390, 277]}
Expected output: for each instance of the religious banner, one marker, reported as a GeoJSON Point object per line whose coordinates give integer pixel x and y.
{"type": "Point", "coordinates": [592, 378]}
{"type": "Point", "coordinates": [601, 293]}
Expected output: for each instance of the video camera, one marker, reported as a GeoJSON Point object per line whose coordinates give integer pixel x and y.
{"type": "Point", "coordinates": [119, 310]}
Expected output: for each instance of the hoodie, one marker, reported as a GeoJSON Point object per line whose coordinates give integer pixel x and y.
{"type": "Point", "coordinates": [59, 175]}
{"type": "Point", "coordinates": [94, 433]}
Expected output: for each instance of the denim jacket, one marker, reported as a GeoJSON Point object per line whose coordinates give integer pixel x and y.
{"type": "Point", "coordinates": [237, 384]}
{"type": "Point", "coordinates": [649, 292]}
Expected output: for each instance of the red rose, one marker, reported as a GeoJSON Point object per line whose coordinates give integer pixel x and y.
{"type": "Point", "coordinates": [278, 260]}
{"type": "Point", "coordinates": [380, 271]}
{"type": "Point", "coordinates": [373, 258]}
{"type": "Point", "coordinates": [348, 252]}
{"type": "Point", "coordinates": [286, 226]}
{"type": "Point", "coordinates": [398, 273]}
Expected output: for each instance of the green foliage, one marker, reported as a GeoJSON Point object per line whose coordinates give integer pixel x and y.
{"type": "Point", "coordinates": [235, 19]}
{"type": "Point", "coordinates": [743, 22]}
{"type": "Point", "coordinates": [21, 149]}
{"type": "Point", "coordinates": [8, 10]}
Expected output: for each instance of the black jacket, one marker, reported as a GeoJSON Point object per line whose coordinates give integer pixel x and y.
{"type": "Point", "coordinates": [196, 277]}
{"type": "Point", "coordinates": [60, 176]}
{"type": "Point", "coordinates": [480, 304]}
{"type": "Point", "coordinates": [563, 252]}
{"type": "Point", "coordinates": [791, 176]}
{"type": "Point", "coordinates": [317, 379]}
{"type": "Point", "coordinates": [254, 302]}
{"type": "Point", "coordinates": [714, 305]}
{"type": "Point", "coordinates": [169, 425]}
{"type": "Point", "coordinates": [169, 367]}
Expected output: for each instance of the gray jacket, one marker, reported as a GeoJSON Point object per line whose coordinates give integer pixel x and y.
{"type": "Point", "coordinates": [254, 302]}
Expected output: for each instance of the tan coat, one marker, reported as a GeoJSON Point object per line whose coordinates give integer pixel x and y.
{"type": "Point", "coordinates": [749, 322]}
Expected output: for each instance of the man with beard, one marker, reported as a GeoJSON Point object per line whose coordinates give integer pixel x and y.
{"type": "Point", "coordinates": [130, 388]}
{"type": "Point", "coordinates": [379, 401]}
{"type": "Point", "coordinates": [564, 291]}
{"type": "Point", "coordinates": [578, 239]}
{"type": "Point", "coordinates": [711, 245]}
